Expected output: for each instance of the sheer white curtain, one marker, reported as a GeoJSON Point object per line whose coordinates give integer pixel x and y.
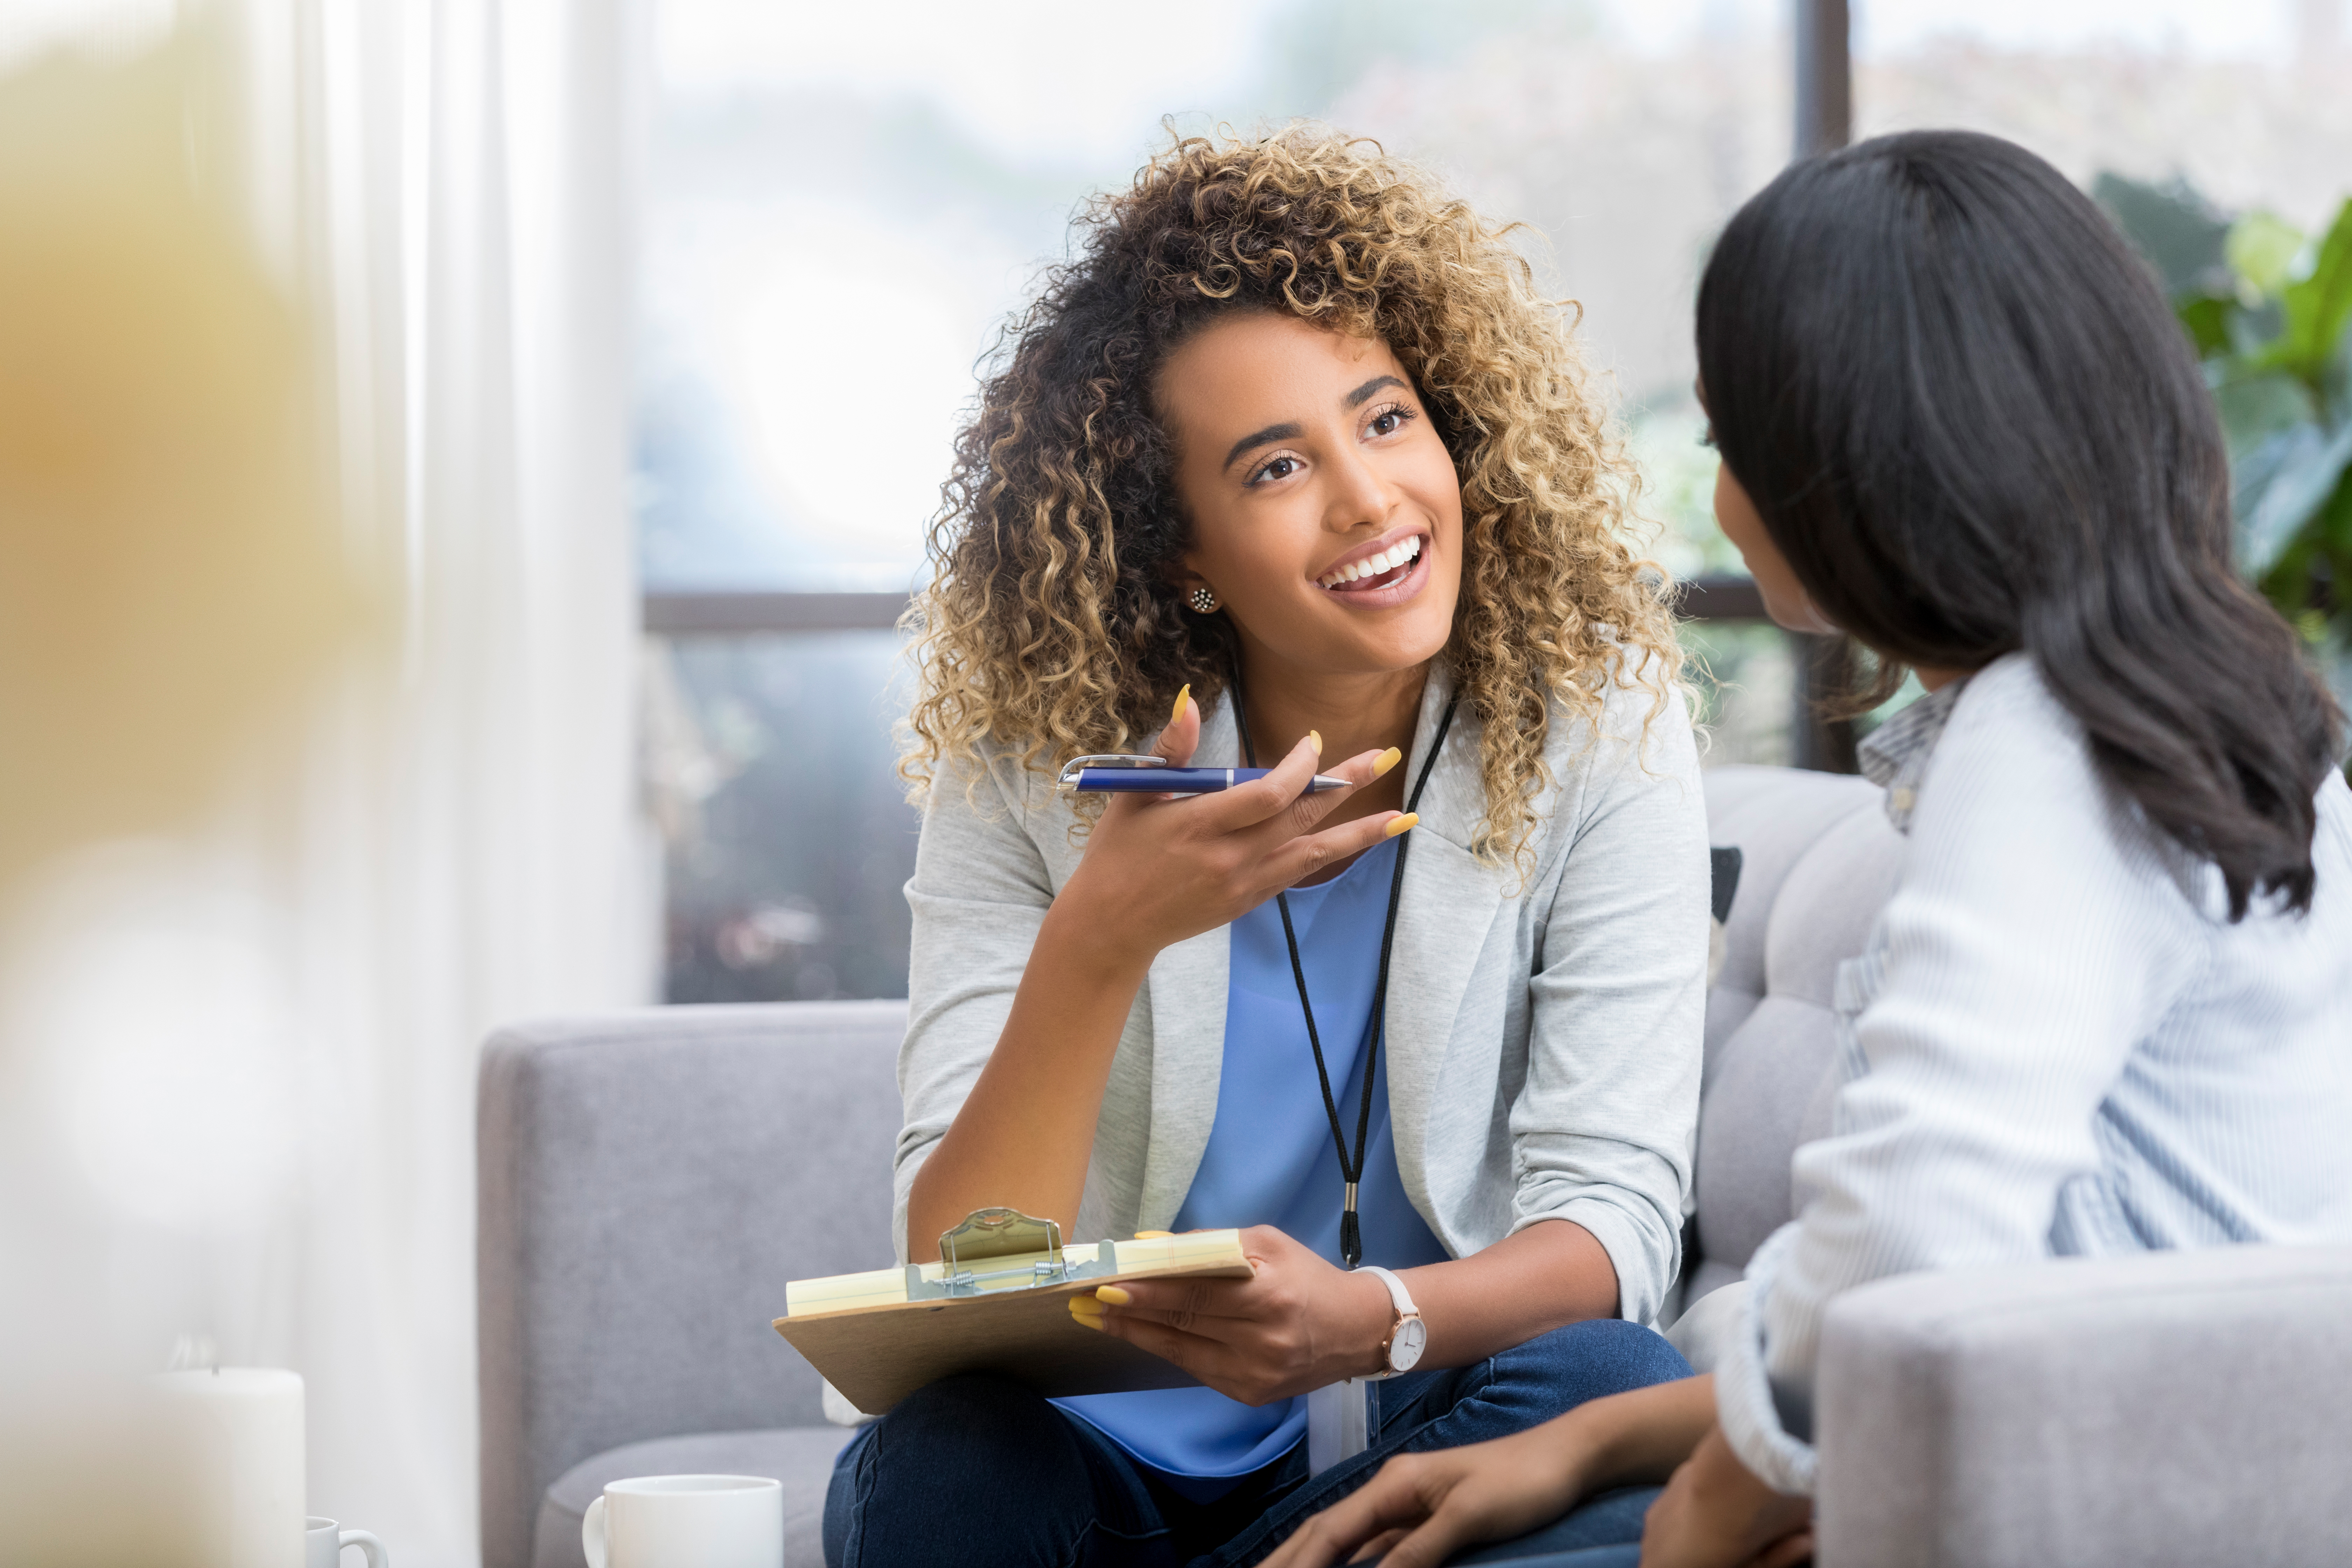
{"type": "Point", "coordinates": [466, 846]}
{"type": "Point", "coordinates": [239, 1016]}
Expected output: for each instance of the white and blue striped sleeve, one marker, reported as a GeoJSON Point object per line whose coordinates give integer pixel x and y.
{"type": "Point", "coordinates": [2036, 935]}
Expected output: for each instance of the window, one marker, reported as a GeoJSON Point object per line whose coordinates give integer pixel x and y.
{"type": "Point", "coordinates": [844, 204]}
{"type": "Point", "coordinates": [843, 207]}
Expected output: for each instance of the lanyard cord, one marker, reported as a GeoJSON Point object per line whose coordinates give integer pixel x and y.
{"type": "Point", "coordinates": [1351, 1171]}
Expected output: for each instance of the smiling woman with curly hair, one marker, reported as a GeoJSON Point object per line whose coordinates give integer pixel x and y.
{"type": "Point", "coordinates": [1291, 462]}
{"type": "Point", "coordinates": [1056, 623]}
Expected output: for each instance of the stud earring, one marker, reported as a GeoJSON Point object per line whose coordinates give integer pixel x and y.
{"type": "Point", "coordinates": [1203, 600]}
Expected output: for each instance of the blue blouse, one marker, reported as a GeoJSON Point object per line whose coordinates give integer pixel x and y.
{"type": "Point", "coordinates": [1270, 1159]}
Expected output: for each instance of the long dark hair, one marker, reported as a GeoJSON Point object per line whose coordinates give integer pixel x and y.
{"type": "Point", "coordinates": [1971, 425]}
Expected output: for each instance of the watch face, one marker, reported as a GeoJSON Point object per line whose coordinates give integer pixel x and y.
{"type": "Point", "coordinates": [1405, 1350]}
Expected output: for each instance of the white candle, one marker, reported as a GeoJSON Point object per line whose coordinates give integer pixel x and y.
{"type": "Point", "coordinates": [243, 1426]}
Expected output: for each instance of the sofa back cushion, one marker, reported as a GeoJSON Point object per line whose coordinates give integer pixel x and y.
{"type": "Point", "coordinates": [1819, 861]}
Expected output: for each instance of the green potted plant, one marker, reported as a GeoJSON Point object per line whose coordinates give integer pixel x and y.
{"type": "Point", "coordinates": [2270, 311]}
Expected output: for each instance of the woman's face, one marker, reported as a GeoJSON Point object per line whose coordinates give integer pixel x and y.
{"type": "Point", "coordinates": [1785, 599]}
{"type": "Point", "coordinates": [1326, 513]}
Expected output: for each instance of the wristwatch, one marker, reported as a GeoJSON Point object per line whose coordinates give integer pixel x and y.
{"type": "Point", "coordinates": [1400, 1352]}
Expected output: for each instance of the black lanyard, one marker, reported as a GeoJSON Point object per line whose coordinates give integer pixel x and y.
{"type": "Point", "coordinates": [1351, 1171]}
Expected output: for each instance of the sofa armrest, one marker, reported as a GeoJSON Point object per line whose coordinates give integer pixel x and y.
{"type": "Point", "coordinates": [2179, 1408]}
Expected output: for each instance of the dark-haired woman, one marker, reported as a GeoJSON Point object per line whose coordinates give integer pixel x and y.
{"type": "Point", "coordinates": [1291, 464]}
{"type": "Point", "coordinates": [2107, 1007]}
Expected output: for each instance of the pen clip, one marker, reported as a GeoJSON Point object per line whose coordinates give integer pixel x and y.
{"type": "Point", "coordinates": [1068, 777]}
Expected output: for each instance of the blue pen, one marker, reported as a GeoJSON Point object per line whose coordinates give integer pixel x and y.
{"type": "Point", "coordinates": [1111, 773]}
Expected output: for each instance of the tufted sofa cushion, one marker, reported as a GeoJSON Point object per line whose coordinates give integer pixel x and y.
{"type": "Point", "coordinates": [1819, 861]}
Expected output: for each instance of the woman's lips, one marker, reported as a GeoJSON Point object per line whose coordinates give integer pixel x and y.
{"type": "Point", "coordinates": [1388, 588]}
{"type": "Point", "coordinates": [1375, 563]}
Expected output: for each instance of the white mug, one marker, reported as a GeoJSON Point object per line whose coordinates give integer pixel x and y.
{"type": "Point", "coordinates": [323, 1542]}
{"type": "Point", "coordinates": [687, 1521]}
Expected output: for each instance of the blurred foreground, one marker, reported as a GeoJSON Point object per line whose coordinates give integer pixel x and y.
{"type": "Point", "coordinates": [173, 581]}
{"type": "Point", "coordinates": [318, 665]}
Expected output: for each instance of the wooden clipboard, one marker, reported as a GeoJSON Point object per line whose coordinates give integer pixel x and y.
{"type": "Point", "coordinates": [994, 1302]}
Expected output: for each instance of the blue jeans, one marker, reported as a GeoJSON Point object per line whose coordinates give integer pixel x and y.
{"type": "Point", "coordinates": [978, 1470]}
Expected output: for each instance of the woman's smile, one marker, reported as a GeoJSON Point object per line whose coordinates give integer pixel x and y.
{"type": "Point", "coordinates": [1386, 571]}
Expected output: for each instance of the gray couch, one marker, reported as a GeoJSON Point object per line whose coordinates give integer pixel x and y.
{"type": "Point", "coordinates": [649, 1181]}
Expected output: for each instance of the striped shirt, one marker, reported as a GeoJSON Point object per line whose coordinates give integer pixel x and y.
{"type": "Point", "coordinates": [2055, 1043]}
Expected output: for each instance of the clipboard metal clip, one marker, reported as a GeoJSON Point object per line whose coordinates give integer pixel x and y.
{"type": "Point", "coordinates": [1067, 780]}
{"type": "Point", "coordinates": [987, 1235]}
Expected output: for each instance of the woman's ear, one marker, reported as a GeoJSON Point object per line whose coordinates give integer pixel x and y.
{"type": "Point", "coordinates": [1193, 589]}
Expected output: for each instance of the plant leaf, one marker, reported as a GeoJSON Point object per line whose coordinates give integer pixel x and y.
{"type": "Point", "coordinates": [2280, 487]}
{"type": "Point", "coordinates": [2207, 319]}
{"type": "Point", "coordinates": [2261, 248]}
{"type": "Point", "coordinates": [2179, 234]}
{"type": "Point", "coordinates": [2318, 306]}
{"type": "Point", "coordinates": [2334, 523]}
{"type": "Point", "coordinates": [2256, 407]}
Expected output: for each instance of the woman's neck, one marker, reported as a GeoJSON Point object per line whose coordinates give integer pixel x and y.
{"type": "Point", "coordinates": [1354, 714]}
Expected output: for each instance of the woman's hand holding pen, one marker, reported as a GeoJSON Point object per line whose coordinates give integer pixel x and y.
{"type": "Point", "coordinates": [1157, 870]}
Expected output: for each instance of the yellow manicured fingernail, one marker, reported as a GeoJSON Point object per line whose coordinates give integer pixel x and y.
{"type": "Point", "coordinates": [1386, 761]}
{"type": "Point", "coordinates": [1113, 1294]}
{"type": "Point", "coordinates": [1153, 1234]}
{"type": "Point", "coordinates": [1317, 737]}
{"type": "Point", "coordinates": [1086, 1307]}
{"type": "Point", "coordinates": [1183, 696]}
{"type": "Point", "coordinates": [1410, 819]}
{"type": "Point", "coordinates": [1096, 1322]}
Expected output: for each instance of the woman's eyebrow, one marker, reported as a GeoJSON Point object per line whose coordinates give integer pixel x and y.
{"type": "Point", "coordinates": [1289, 431]}
{"type": "Point", "coordinates": [1286, 431]}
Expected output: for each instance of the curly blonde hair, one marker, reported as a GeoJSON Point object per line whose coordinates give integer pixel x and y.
{"type": "Point", "coordinates": [1053, 627]}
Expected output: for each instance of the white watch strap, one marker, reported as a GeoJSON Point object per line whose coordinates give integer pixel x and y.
{"type": "Point", "coordinates": [1397, 1292]}
{"type": "Point", "coordinates": [1402, 1299]}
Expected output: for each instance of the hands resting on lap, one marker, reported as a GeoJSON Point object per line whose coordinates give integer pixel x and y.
{"type": "Point", "coordinates": [1301, 1323]}
{"type": "Point", "coordinates": [1421, 1508]}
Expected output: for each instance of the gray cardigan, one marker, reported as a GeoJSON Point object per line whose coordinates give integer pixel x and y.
{"type": "Point", "coordinates": [1543, 1035]}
